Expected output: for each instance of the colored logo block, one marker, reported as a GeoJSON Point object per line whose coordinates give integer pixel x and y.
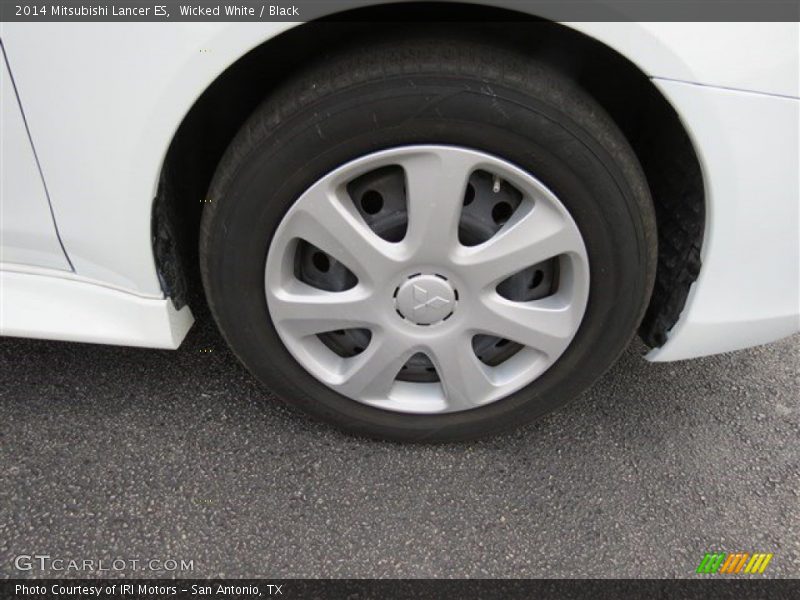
{"type": "Point", "coordinates": [734, 563]}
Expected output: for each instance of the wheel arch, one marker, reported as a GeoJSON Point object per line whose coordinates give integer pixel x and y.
{"type": "Point", "coordinates": [622, 87]}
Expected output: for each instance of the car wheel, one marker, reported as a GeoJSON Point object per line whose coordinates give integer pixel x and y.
{"type": "Point", "coordinates": [428, 240]}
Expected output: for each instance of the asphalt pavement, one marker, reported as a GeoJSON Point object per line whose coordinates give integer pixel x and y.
{"type": "Point", "coordinates": [129, 454]}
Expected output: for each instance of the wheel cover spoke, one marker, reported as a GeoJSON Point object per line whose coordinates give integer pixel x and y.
{"type": "Point", "coordinates": [313, 311]}
{"type": "Point", "coordinates": [466, 381]}
{"type": "Point", "coordinates": [436, 182]}
{"type": "Point", "coordinates": [541, 233]}
{"type": "Point", "coordinates": [425, 293]}
{"type": "Point", "coordinates": [327, 223]}
{"type": "Point", "coordinates": [372, 374]}
{"type": "Point", "coordinates": [543, 325]}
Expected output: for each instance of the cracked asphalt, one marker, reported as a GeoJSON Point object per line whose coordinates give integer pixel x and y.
{"type": "Point", "coordinates": [134, 454]}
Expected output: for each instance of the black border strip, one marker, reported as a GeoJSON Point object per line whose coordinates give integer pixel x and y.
{"type": "Point", "coordinates": [446, 10]}
{"type": "Point", "coordinates": [711, 587]}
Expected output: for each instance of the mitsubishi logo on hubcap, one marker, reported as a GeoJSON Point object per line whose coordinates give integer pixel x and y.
{"type": "Point", "coordinates": [425, 299]}
{"type": "Point", "coordinates": [421, 296]}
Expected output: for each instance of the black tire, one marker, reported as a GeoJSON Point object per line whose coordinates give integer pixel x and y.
{"type": "Point", "coordinates": [440, 92]}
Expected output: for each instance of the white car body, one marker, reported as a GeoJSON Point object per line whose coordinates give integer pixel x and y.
{"type": "Point", "coordinates": [102, 103]}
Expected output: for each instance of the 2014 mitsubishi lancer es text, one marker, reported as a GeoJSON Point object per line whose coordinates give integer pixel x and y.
{"type": "Point", "coordinates": [412, 230]}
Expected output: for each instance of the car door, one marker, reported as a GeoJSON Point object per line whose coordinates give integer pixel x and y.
{"type": "Point", "coordinates": [28, 235]}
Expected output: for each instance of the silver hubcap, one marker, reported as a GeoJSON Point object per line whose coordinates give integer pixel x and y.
{"type": "Point", "coordinates": [456, 278]}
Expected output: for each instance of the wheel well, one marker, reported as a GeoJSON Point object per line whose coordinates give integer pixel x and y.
{"type": "Point", "coordinates": [642, 113]}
